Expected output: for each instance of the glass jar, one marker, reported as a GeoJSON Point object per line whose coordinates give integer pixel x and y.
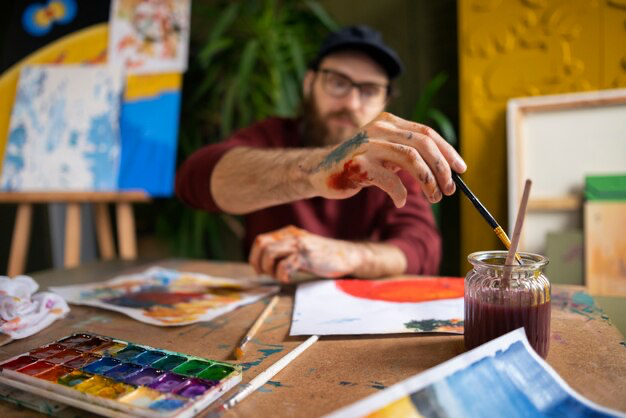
{"type": "Point", "coordinates": [495, 305]}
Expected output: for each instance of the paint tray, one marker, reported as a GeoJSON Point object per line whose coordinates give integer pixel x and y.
{"type": "Point", "coordinates": [112, 377]}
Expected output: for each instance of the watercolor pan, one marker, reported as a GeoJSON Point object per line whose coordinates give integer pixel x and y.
{"type": "Point", "coordinates": [102, 366]}
{"type": "Point", "coordinates": [111, 348]}
{"type": "Point", "coordinates": [82, 360]}
{"type": "Point", "coordinates": [74, 378]}
{"type": "Point", "coordinates": [92, 344]}
{"type": "Point", "coordinates": [112, 377]}
{"type": "Point", "coordinates": [75, 339]}
{"type": "Point", "coordinates": [122, 371]}
{"type": "Point", "coordinates": [148, 357]}
{"type": "Point", "coordinates": [145, 377]}
{"type": "Point", "coordinates": [36, 367]}
{"type": "Point", "coordinates": [129, 352]}
{"type": "Point", "coordinates": [192, 368]}
{"type": "Point", "coordinates": [47, 351]}
{"type": "Point", "coordinates": [169, 362]}
{"type": "Point", "coordinates": [63, 356]}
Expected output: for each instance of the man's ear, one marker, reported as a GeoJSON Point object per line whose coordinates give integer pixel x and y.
{"type": "Point", "coordinates": [307, 83]}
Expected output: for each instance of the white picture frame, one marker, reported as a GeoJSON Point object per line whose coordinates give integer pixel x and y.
{"type": "Point", "coordinates": [556, 141]}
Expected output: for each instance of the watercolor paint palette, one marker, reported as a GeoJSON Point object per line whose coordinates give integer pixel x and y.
{"type": "Point", "coordinates": [113, 377]}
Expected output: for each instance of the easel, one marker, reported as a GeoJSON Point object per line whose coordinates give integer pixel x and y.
{"type": "Point", "coordinates": [125, 223]}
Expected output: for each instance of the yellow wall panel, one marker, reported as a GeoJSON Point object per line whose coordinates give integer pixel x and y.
{"type": "Point", "coordinates": [518, 48]}
{"type": "Point", "coordinates": [614, 45]}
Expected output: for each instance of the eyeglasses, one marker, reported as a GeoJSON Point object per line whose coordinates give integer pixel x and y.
{"type": "Point", "coordinates": [340, 85]}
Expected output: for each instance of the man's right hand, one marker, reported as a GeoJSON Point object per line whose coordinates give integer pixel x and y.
{"type": "Point", "coordinates": [378, 151]}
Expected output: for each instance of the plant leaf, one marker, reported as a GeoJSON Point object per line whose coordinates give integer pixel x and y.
{"type": "Point", "coordinates": [431, 89]}
{"type": "Point", "coordinates": [297, 55]}
{"type": "Point", "coordinates": [321, 14]}
{"type": "Point", "coordinates": [444, 124]}
{"type": "Point", "coordinates": [223, 22]}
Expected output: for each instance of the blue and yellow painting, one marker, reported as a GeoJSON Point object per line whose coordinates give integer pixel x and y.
{"type": "Point", "coordinates": [149, 132]}
{"type": "Point", "coordinates": [65, 32]}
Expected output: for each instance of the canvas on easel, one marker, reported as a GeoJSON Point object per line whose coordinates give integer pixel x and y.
{"type": "Point", "coordinates": [64, 131]}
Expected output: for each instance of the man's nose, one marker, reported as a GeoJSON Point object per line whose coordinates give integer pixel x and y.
{"type": "Point", "coordinates": [353, 98]}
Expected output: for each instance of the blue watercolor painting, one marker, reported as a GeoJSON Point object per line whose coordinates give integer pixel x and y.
{"type": "Point", "coordinates": [64, 131]}
{"type": "Point", "coordinates": [504, 378]}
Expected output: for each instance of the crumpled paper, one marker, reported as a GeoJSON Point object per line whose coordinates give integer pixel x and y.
{"type": "Point", "coordinates": [23, 313]}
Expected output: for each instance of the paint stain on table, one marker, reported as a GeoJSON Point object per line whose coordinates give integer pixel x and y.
{"type": "Point", "coordinates": [580, 303]}
{"type": "Point", "coordinates": [377, 385]}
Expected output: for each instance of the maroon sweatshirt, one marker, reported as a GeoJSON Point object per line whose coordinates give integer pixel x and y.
{"type": "Point", "coordinates": [370, 215]}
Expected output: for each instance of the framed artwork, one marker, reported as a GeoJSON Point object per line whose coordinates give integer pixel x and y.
{"type": "Point", "coordinates": [556, 141]}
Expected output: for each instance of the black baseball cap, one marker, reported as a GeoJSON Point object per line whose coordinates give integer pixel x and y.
{"type": "Point", "coordinates": [365, 39]}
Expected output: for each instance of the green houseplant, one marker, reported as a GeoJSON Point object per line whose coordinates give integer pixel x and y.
{"type": "Point", "coordinates": [424, 111]}
{"type": "Point", "coordinates": [247, 60]}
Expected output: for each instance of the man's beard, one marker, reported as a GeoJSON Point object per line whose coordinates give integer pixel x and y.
{"type": "Point", "coordinates": [314, 130]}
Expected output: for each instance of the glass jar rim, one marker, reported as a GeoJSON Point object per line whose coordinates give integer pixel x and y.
{"type": "Point", "coordinates": [530, 261]}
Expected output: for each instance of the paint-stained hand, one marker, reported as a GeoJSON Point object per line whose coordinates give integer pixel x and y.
{"type": "Point", "coordinates": [285, 251]}
{"type": "Point", "coordinates": [374, 155]}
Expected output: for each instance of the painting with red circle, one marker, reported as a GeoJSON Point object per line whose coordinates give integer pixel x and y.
{"type": "Point", "coordinates": [411, 290]}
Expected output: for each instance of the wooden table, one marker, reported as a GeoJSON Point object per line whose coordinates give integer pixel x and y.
{"type": "Point", "coordinates": [585, 348]}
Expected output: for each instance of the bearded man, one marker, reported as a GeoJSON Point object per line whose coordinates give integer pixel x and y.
{"type": "Point", "coordinates": [342, 190]}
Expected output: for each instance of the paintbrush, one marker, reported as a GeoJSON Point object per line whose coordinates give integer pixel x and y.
{"type": "Point", "coordinates": [262, 378]}
{"type": "Point", "coordinates": [484, 213]}
{"type": "Point", "coordinates": [517, 231]}
{"type": "Point", "coordinates": [255, 327]}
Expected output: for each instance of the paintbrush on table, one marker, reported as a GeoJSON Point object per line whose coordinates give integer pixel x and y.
{"type": "Point", "coordinates": [484, 213]}
{"type": "Point", "coordinates": [255, 327]}
{"type": "Point", "coordinates": [261, 379]}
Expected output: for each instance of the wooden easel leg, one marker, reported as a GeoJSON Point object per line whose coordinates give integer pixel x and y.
{"type": "Point", "coordinates": [126, 231]}
{"type": "Point", "coordinates": [21, 236]}
{"type": "Point", "coordinates": [72, 235]}
{"type": "Point", "coordinates": [104, 232]}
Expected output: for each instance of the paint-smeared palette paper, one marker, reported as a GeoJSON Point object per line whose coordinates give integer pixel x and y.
{"type": "Point", "coordinates": [167, 297]}
{"type": "Point", "coordinates": [354, 307]}
{"type": "Point", "coordinates": [149, 36]}
{"type": "Point", "coordinates": [118, 378]}
{"type": "Point", "coordinates": [503, 378]}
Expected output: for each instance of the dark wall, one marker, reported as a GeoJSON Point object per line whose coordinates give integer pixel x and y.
{"type": "Point", "coordinates": [424, 33]}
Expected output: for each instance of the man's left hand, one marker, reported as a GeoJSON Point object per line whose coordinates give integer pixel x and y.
{"type": "Point", "coordinates": [285, 251]}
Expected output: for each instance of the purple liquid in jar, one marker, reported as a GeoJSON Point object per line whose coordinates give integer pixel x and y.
{"type": "Point", "coordinates": [495, 306]}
